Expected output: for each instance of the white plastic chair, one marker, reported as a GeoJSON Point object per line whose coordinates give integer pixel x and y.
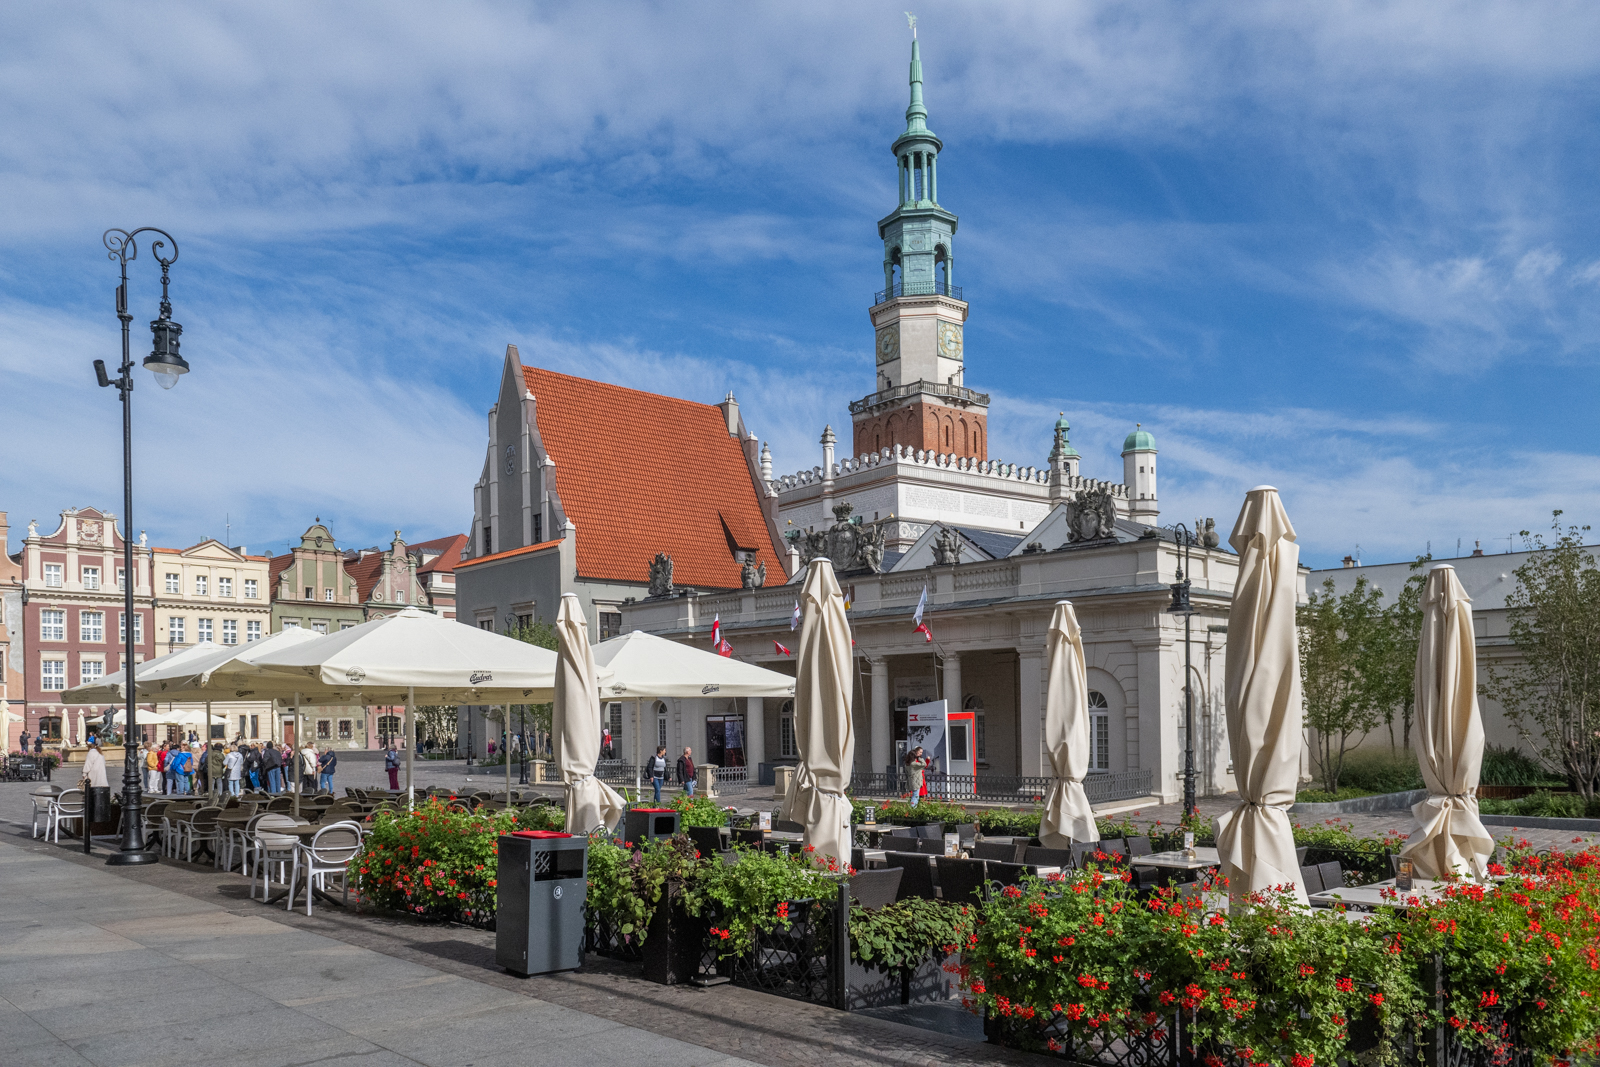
{"type": "Point", "coordinates": [268, 848]}
{"type": "Point", "coordinates": [329, 852]}
{"type": "Point", "coordinates": [68, 807]}
{"type": "Point", "coordinates": [42, 799]}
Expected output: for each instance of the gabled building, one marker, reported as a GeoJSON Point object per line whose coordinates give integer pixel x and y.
{"type": "Point", "coordinates": [436, 570]}
{"type": "Point", "coordinates": [386, 579]}
{"type": "Point", "coordinates": [684, 505]}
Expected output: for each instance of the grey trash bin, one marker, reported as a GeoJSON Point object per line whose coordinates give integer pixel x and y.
{"type": "Point", "coordinates": [539, 914]}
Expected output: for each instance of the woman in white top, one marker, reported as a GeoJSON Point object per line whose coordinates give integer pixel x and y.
{"type": "Point", "coordinates": [94, 766]}
{"type": "Point", "coordinates": [233, 764]}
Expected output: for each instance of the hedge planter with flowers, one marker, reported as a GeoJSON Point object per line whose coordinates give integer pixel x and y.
{"type": "Point", "coordinates": [1086, 970]}
{"type": "Point", "coordinates": [437, 863]}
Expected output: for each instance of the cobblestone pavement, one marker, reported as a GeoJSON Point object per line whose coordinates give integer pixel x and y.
{"type": "Point", "coordinates": [89, 947]}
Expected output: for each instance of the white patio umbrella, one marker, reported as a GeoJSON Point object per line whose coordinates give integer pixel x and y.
{"type": "Point", "coordinates": [400, 657]}
{"type": "Point", "coordinates": [1254, 839]}
{"type": "Point", "coordinates": [1067, 815]}
{"type": "Point", "coordinates": [822, 723]}
{"type": "Point", "coordinates": [1448, 835]}
{"type": "Point", "coordinates": [591, 804]}
{"type": "Point", "coordinates": [111, 689]}
{"type": "Point", "coordinates": [643, 665]}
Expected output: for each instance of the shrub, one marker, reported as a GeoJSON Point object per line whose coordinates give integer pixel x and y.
{"type": "Point", "coordinates": [626, 881]}
{"type": "Point", "coordinates": [1322, 796]}
{"type": "Point", "coordinates": [1508, 765]}
{"type": "Point", "coordinates": [1545, 805]}
{"type": "Point", "coordinates": [698, 811]}
{"type": "Point", "coordinates": [1379, 770]}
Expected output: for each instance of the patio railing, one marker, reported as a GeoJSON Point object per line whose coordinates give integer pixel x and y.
{"type": "Point", "coordinates": [1101, 788]}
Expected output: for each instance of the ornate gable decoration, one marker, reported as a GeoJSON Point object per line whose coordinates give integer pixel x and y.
{"type": "Point", "coordinates": [1091, 516]}
{"type": "Point", "coordinates": [661, 575]}
{"type": "Point", "coordinates": [851, 546]}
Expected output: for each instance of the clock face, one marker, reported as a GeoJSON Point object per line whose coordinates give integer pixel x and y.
{"type": "Point", "coordinates": [888, 344]}
{"type": "Point", "coordinates": [949, 340]}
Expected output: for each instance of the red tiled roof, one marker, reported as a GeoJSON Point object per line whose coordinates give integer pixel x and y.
{"type": "Point", "coordinates": [640, 473]}
{"type": "Point", "coordinates": [507, 554]}
{"type": "Point", "coordinates": [365, 573]}
{"type": "Point", "coordinates": [449, 549]}
{"type": "Point", "coordinates": [277, 566]}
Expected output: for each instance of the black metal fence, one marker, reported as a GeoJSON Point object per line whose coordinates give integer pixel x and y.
{"type": "Point", "coordinates": [1101, 788]}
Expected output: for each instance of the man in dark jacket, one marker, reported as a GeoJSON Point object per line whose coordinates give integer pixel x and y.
{"type": "Point", "coordinates": [252, 765]}
{"type": "Point", "coordinates": [326, 764]}
{"type": "Point", "coordinates": [272, 764]}
{"type": "Point", "coordinates": [686, 771]}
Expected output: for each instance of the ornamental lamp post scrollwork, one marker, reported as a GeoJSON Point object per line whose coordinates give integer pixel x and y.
{"type": "Point", "coordinates": [168, 366]}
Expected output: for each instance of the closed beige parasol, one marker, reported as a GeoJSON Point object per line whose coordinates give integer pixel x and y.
{"type": "Point", "coordinates": [1067, 814]}
{"type": "Point", "coordinates": [1449, 836]}
{"type": "Point", "coordinates": [1254, 839]}
{"type": "Point", "coordinates": [591, 804]}
{"type": "Point", "coordinates": [822, 723]}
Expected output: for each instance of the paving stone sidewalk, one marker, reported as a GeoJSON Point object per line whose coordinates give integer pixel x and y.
{"type": "Point", "coordinates": [210, 976]}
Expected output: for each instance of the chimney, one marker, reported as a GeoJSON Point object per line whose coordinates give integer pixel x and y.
{"type": "Point", "coordinates": [1349, 562]}
{"type": "Point", "coordinates": [1477, 548]}
{"type": "Point", "coordinates": [730, 414]}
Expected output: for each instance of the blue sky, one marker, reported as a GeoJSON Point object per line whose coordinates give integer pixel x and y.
{"type": "Point", "coordinates": [1348, 249]}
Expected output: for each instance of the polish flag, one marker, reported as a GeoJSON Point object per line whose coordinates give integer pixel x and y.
{"type": "Point", "coordinates": [922, 628]}
{"type": "Point", "coordinates": [724, 649]}
{"type": "Point", "coordinates": [716, 629]}
{"type": "Point", "coordinates": [782, 651]}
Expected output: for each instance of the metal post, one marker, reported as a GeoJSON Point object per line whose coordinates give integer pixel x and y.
{"type": "Point", "coordinates": [1188, 722]}
{"type": "Point", "coordinates": [411, 792]}
{"type": "Point", "coordinates": [121, 247]}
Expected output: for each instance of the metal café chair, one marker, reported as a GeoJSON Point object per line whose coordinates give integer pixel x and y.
{"type": "Point", "coordinates": [42, 799]}
{"type": "Point", "coordinates": [202, 829]}
{"type": "Point", "coordinates": [67, 807]}
{"type": "Point", "coordinates": [236, 844]}
{"type": "Point", "coordinates": [268, 848]}
{"type": "Point", "coordinates": [329, 852]}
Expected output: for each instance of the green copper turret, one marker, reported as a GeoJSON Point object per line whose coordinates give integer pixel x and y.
{"type": "Point", "coordinates": [917, 236]}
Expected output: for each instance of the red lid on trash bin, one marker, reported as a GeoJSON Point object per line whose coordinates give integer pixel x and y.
{"type": "Point", "coordinates": [538, 833]}
{"type": "Point", "coordinates": [656, 811]}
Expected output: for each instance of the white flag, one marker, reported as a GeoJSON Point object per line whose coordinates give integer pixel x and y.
{"type": "Point", "coordinates": [794, 620]}
{"type": "Point", "coordinates": [922, 602]}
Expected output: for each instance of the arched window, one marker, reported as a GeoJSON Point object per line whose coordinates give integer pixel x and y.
{"type": "Point", "coordinates": [974, 704]}
{"type": "Point", "coordinates": [786, 742]}
{"type": "Point", "coordinates": [389, 726]}
{"type": "Point", "coordinates": [1099, 732]}
{"type": "Point", "coordinates": [661, 723]}
{"type": "Point", "coordinates": [947, 436]}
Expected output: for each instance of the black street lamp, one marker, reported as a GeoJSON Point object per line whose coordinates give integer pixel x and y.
{"type": "Point", "coordinates": [1181, 606]}
{"type": "Point", "coordinates": [167, 365]}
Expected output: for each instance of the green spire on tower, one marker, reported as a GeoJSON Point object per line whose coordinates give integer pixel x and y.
{"type": "Point", "coordinates": [917, 113]}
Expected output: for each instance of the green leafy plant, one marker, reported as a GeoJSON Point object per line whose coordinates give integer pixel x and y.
{"type": "Point", "coordinates": [626, 881]}
{"type": "Point", "coordinates": [1509, 765]}
{"type": "Point", "coordinates": [758, 893]}
{"type": "Point", "coordinates": [900, 936]}
{"type": "Point", "coordinates": [698, 811]}
{"type": "Point", "coordinates": [434, 861]}
{"type": "Point", "coordinates": [1379, 770]}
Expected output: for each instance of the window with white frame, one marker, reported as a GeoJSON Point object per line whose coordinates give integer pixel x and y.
{"type": "Point", "coordinates": [91, 626]}
{"type": "Point", "coordinates": [324, 729]}
{"type": "Point", "coordinates": [122, 580]}
{"type": "Point", "coordinates": [1099, 732]}
{"type": "Point", "coordinates": [175, 630]}
{"type": "Point", "coordinates": [345, 729]}
{"type": "Point", "coordinates": [343, 626]}
{"type": "Point", "coordinates": [291, 624]}
{"type": "Point", "coordinates": [252, 630]}
{"type": "Point", "coordinates": [91, 577]}
{"type": "Point", "coordinates": [400, 597]}
{"type": "Point", "coordinates": [230, 631]}
{"type": "Point", "coordinates": [52, 625]}
{"type": "Point", "coordinates": [224, 586]}
{"type": "Point", "coordinates": [327, 594]}
{"type": "Point", "coordinates": [661, 724]}
{"type": "Point", "coordinates": [53, 675]}
{"type": "Point", "coordinates": [250, 589]}
{"type": "Point", "coordinates": [202, 630]}
{"type": "Point", "coordinates": [52, 575]}
{"type": "Point", "coordinates": [138, 627]}
{"type": "Point", "coordinates": [786, 742]}
{"type": "Point", "coordinates": [319, 627]}
{"type": "Point", "coordinates": [90, 671]}
{"type": "Point", "coordinates": [173, 578]}
{"type": "Point", "coordinates": [201, 583]}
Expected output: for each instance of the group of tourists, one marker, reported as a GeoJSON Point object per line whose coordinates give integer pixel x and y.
{"type": "Point", "coordinates": [174, 769]}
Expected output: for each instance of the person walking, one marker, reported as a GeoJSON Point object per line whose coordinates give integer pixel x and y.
{"type": "Point", "coordinates": [917, 766]}
{"type": "Point", "coordinates": [233, 769]}
{"type": "Point", "coordinates": [26, 737]}
{"type": "Point", "coordinates": [327, 763]}
{"type": "Point", "coordinates": [657, 766]}
{"type": "Point", "coordinates": [391, 764]}
{"type": "Point", "coordinates": [217, 770]}
{"type": "Point", "coordinates": [272, 766]}
{"type": "Point", "coordinates": [686, 771]}
{"type": "Point", "coordinates": [308, 768]}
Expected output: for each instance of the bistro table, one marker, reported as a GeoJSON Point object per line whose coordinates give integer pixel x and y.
{"type": "Point", "coordinates": [872, 833]}
{"type": "Point", "coordinates": [1422, 891]}
{"type": "Point", "coordinates": [1178, 859]}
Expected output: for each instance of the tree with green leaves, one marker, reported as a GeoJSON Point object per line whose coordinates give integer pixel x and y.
{"type": "Point", "coordinates": [438, 721]}
{"type": "Point", "coordinates": [1551, 691]}
{"type": "Point", "coordinates": [1397, 686]}
{"type": "Point", "coordinates": [1346, 653]}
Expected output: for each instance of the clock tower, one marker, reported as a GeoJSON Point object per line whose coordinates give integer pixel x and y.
{"type": "Point", "coordinates": [920, 400]}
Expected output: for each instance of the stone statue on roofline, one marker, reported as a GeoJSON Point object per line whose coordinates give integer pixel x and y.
{"type": "Point", "coordinates": [661, 575]}
{"type": "Point", "coordinates": [1091, 515]}
{"type": "Point", "coordinates": [947, 548]}
{"type": "Point", "coordinates": [1206, 533]}
{"type": "Point", "coordinates": [752, 575]}
{"type": "Point", "coordinates": [851, 545]}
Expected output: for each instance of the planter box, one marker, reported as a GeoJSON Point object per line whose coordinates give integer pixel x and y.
{"type": "Point", "coordinates": [868, 986]}
{"type": "Point", "coordinates": [675, 949]}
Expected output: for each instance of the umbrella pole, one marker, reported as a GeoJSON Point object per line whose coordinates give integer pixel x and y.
{"type": "Point", "coordinates": [411, 792]}
{"type": "Point", "coordinates": [294, 757]}
{"type": "Point", "coordinates": [505, 738]}
{"type": "Point", "coordinates": [207, 748]}
{"type": "Point", "coordinates": [638, 775]}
